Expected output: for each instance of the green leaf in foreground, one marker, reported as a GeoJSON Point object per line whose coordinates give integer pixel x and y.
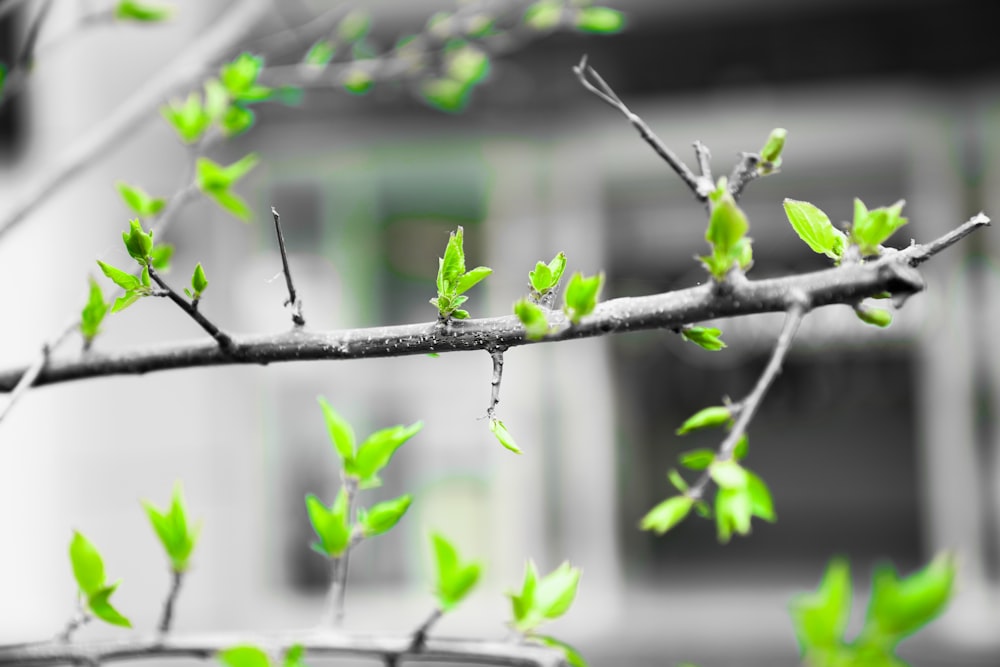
{"type": "Point", "coordinates": [581, 296]}
{"type": "Point", "coordinates": [244, 656]}
{"type": "Point", "coordinates": [88, 566]}
{"type": "Point", "coordinates": [384, 516]}
{"type": "Point", "coordinates": [814, 227]}
{"type": "Point", "coordinates": [3, 77]}
{"type": "Point", "coordinates": [543, 599]}
{"type": "Point", "coordinates": [716, 415]}
{"type": "Point", "coordinates": [199, 283]}
{"type": "Point", "coordinates": [188, 117]}
{"type": "Point", "coordinates": [667, 514]}
{"type": "Point", "coordinates": [878, 317]}
{"type": "Point", "coordinates": [901, 606]}
{"type": "Point", "coordinates": [176, 533]}
{"type": "Point", "coordinates": [446, 94]}
{"type": "Point", "coordinates": [545, 277]}
{"type": "Point", "coordinates": [93, 313]}
{"type": "Point", "coordinates": [294, 656]}
{"type": "Point", "coordinates": [215, 181]}
{"type": "Point", "coordinates": [533, 319]}
{"type": "Point", "coordinates": [139, 201]}
{"type": "Point", "coordinates": [770, 154]}
{"type": "Point", "coordinates": [601, 20]}
{"type": "Point", "coordinates": [454, 578]}
{"type": "Point", "coordinates": [143, 12]}
{"type": "Point", "coordinates": [138, 243]}
{"type": "Point", "coordinates": [872, 228]}
{"type": "Point", "coordinates": [726, 234]}
{"type": "Point", "coordinates": [330, 524]}
{"type": "Point", "coordinates": [340, 432]}
{"type": "Point", "coordinates": [573, 657]}
{"type": "Point", "coordinates": [697, 459]}
{"type": "Point", "coordinates": [708, 338]}
{"type": "Point", "coordinates": [377, 450]}
{"type": "Point", "coordinates": [820, 618]}
{"type": "Point", "coordinates": [100, 604]}
{"type": "Point", "coordinates": [503, 436]}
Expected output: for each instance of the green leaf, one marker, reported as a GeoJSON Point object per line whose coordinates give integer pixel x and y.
{"type": "Point", "coordinates": [697, 459]}
{"type": "Point", "coordinates": [377, 449]}
{"type": "Point", "coordinates": [742, 448]}
{"type": "Point", "coordinates": [899, 607]}
{"type": "Point", "coordinates": [320, 53]}
{"type": "Point", "coordinates": [541, 278]}
{"type": "Point", "coordinates": [503, 436]}
{"type": "Point", "coordinates": [532, 318]}
{"type": "Point", "coordinates": [93, 313]}
{"type": "Point", "coordinates": [130, 10]}
{"type": "Point", "coordinates": [814, 227]}
{"type": "Point", "coordinates": [173, 529]}
{"type": "Point", "coordinates": [138, 243]}
{"type": "Point", "coordinates": [522, 602]}
{"type": "Point", "coordinates": [244, 656]}
{"type": "Point", "coordinates": [601, 20]}
{"type": "Point", "coordinates": [820, 618]}
{"type": "Point", "coordinates": [294, 656]}
{"type": "Point", "coordinates": [213, 177]}
{"type": "Point", "coordinates": [188, 118]}
{"type": "Point", "coordinates": [358, 81]}
{"type": "Point", "coordinates": [876, 316]}
{"type": "Point", "coordinates": [555, 592]}
{"type": "Point", "coordinates": [232, 203]}
{"type": "Point", "coordinates": [761, 504]}
{"type": "Point", "coordinates": [678, 481]}
{"type": "Point", "coordinates": [667, 514]}
{"type": "Point", "coordinates": [543, 15]}
{"type": "Point", "coordinates": [3, 77]}
{"type": "Point", "coordinates": [716, 415]}
{"type": "Point", "coordinates": [123, 302]}
{"type": "Point", "coordinates": [729, 474]}
{"type": "Point", "coordinates": [771, 152]}
{"type": "Point", "coordinates": [454, 578]}
{"type": "Point", "coordinates": [199, 283]}
{"type": "Point", "coordinates": [340, 432]}
{"type": "Point", "coordinates": [582, 295]}
{"type": "Point", "coordinates": [446, 94]}
{"type": "Point", "coordinates": [707, 338]}
{"type": "Point", "coordinates": [240, 75]}
{"type": "Point", "coordinates": [573, 657]}
{"type": "Point", "coordinates": [467, 65]}
{"type": "Point", "coordinates": [471, 278]}
{"type": "Point", "coordinates": [88, 566]}
{"type": "Point", "coordinates": [382, 517]}
{"type": "Point", "coordinates": [161, 255]}
{"type": "Point", "coordinates": [140, 202]}
{"type": "Point", "coordinates": [452, 265]}
{"type": "Point", "coordinates": [330, 524]}
{"type": "Point", "coordinates": [354, 26]}
{"type": "Point", "coordinates": [237, 119]}
{"type": "Point", "coordinates": [732, 512]}
{"type": "Point", "coordinates": [872, 228]}
{"type": "Point", "coordinates": [101, 607]}
{"type": "Point", "coordinates": [727, 228]}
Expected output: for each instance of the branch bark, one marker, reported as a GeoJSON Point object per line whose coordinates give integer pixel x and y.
{"type": "Point", "coordinates": [847, 284]}
{"type": "Point", "coordinates": [205, 646]}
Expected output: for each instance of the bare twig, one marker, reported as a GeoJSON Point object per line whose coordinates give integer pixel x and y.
{"type": "Point", "coordinates": [700, 186]}
{"type": "Point", "coordinates": [420, 635]}
{"type": "Point", "coordinates": [80, 618]}
{"type": "Point", "coordinates": [797, 310]}
{"type": "Point", "coordinates": [293, 301]}
{"type": "Point", "coordinates": [222, 338]}
{"type": "Point", "coordinates": [167, 618]}
{"type": "Point", "coordinates": [206, 646]}
{"type": "Point", "coordinates": [496, 355]}
{"type": "Point", "coordinates": [704, 160]}
{"type": "Point", "coordinates": [130, 115]}
{"type": "Point", "coordinates": [34, 370]}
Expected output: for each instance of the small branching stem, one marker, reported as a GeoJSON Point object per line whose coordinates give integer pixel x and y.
{"type": "Point", "coordinates": [31, 374]}
{"type": "Point", "coordinates": [333, 615]}
{"type": "Point", "coordinates": [79, 619]}
{"type": "Point", "coordinates": [167, 618]}
{"type": "Point", "coordinates": [748, 406]}
{"type": "Point", "coordinates": [700, 186]}
{"type": "Point", "coordinates": [221, 337]}
{"type": "Point", "coordinates": [744, 173]}
{"type": "Point", "coordinates": [497, 356]}
{"type": "Point", "coordinates": [296, 304]}
{"type": "Point", "coordinates": [704, 160]}
{"type": "Point", "coordinates": [420, 635]}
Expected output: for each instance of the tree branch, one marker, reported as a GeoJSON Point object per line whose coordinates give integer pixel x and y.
{"type": "Point", "coordinates": [205, 646]}
{"type": "Point", "coordinates": [846, 284]}
{"type": "Point", "coordinates": [221, 337]}
{"type": "Point", "coordinates": [130, 115]}
{"type": "Point", "coordinates": [176, 579]}
{"type": "Point", "coordinates": [293, 301]}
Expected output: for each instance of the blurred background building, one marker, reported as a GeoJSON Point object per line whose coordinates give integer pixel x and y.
{"type": "Point", "coordinates": [877, 444]}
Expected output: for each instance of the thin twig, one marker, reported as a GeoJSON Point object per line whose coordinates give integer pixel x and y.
{"type": "Point", "coordinates": [420, 635]}
{"type": "Point", "coordinates": [156, 648]}
{"type": "Point", "coordinates": [700, 186]}
{"type": "Point", "coordinates": [846, 284]}
{"type": "Point", "coordinates": [704, 160]}
{"type": "Point", "coordinates": [748, 406]}
{"type": "Point", "coordinates": [79, 619]}
{"type": "Point", "coordinates": [222, 338]}
{"type": "Point", "coordinates": [29, 376]}
{"type": "Point", "coordinates": [496, 355]}
{"type": "Point", "coordinates": [333, 615]}
{"type": "Point", "coordinates": [293, 301]}
{"type": "Point", "coordinates": [167, 618]}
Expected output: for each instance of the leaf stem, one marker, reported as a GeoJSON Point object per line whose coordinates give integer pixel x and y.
{"type": "Point", "coordinates": [496, 354]}
{"type": "Point", "coordinates": [167, 618]}
{"type": "Point", "coordinates": [79, 619]}
{"type": "Point", "coordinates": [748, 406]}
{"type": "Point", "coordinates": [222, 338]}
{"type": "Point", "coordinates": [420, 635]}
{"type": "Point", "coordinates": [334, 613]}
{"type": "Point", "coordinates": [296, 304]}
